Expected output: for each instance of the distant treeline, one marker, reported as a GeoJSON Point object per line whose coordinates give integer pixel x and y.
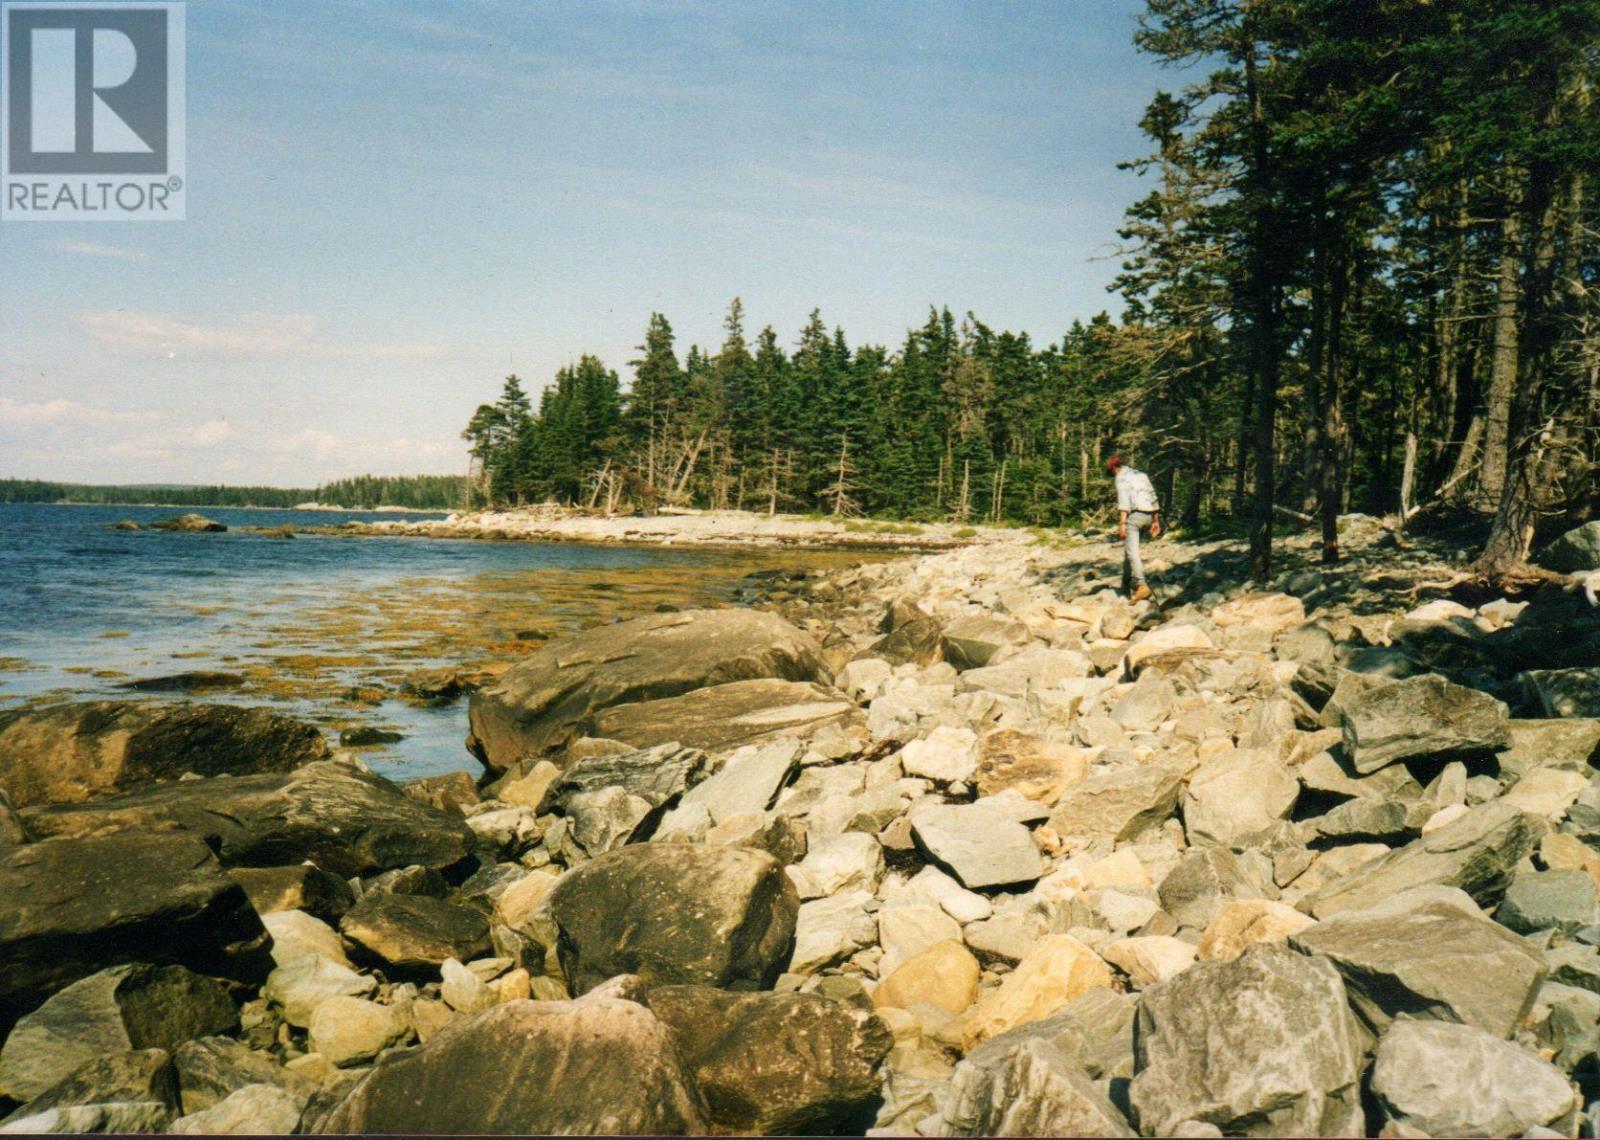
{"type": "Point", "coordinates": [362, 492]}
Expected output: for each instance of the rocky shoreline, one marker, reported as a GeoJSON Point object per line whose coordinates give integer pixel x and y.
{"type": "Point", "coordinates": [959, 844]}
{"type": "Point", "coordinates": [678, 528]}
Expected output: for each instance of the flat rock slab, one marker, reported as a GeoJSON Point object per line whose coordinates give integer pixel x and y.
{"type": "Point", "coordinates": [1264, 1045]}
{"type": "Point", "coordinates": [981, 847]}
{"type": "Point", "coordinates": [1026, 1086]}
{"type": "Point", "coordinates": [65, 753]}
{"type": "Point", "coordinates": [749, 780]}
{"type": "Point", "coordinates": [339, 816]}
{"type": "Point", "coordinates": [728, 716]}
{"type": "Point", "coordinates": [1422, 718]}
{"type": "Point", "coordinates": [540, 703]}
{"type": "Point", "coordinates": [492, 1072]}
{"type": "Point", "coordinates": [776, 1064]}
{"type": "Point", "coordinates": [1477, 853]}
{"type": "Point", "coordinates": [1120, 804]}
{"type": "Point", "coordinates": [69, 909]}
{"type": "Point", "coordinates": [1435, 963]}
{"type": "Point", "coordinates": [676, 913]}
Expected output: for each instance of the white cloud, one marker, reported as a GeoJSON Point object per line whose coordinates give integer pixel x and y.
{"type": "Point", "coordinates": [138, 333]}
{"type": "Point", "coordinates": [21, 413]}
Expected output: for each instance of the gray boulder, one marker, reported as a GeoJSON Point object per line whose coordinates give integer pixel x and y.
{"type": "Point", "coordinates": [69, 909]}
{"type": "Point", "coordinates": [64, 753]}
{"type": "Point", "coordinates": [910, 636]}
{"type": "Point", "coordinates": [1202, 881]}
{"type": "Point", "coordinates": [776, 1064]}
{"type": "Point", "coordinates": [138, 1075]}
{"type": "Point", "coordinates": [749, 779]}
{"type": "Point", "coordinates": [540, 703]}
{"type": "Point", "coordinates": [1422, 718]}
{"type": "Point", "coordinates": [1025, 1086]}
{"type": "Point", "coordinates": [339, 816]}
{"type": "Point", "coordinates": [676, 914]}
{"type": "Point", "coordinates": [113, 1011]}
{"type": "Point", "coordinates": [612, 799]}
{"type": "Point", "coordinates": [1236, 800]}
{"type": "Point", "coordinates": [1457, 1080]}
{"type": "Point", "coordinates": [1576, 551]}
{"type": "Point", "coordinates": [721, 717]}
{"type": "Point", "coordinates": [1477, 853]}
{"type": "Point", "coordinates": [1264, 1045]}
{"type": "Point", "coordinates": [1549, 900]}
{"type": "Point", "coordinates": [255, 1110]}
{"type": "Point", "coordinates": [1572, 743]}
{"type": "Point", "coordinates": [1434, 962]}
{"type": "Point", "coordinates": [974, 640]}
{"type": "Point", "coordinates": [496, 1072]}
{"type": "Point", "coordinates": [979, 844]}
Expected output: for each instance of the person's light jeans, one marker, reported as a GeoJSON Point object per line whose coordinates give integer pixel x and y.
{"type": "Point", "coordinates": [1132, 563]}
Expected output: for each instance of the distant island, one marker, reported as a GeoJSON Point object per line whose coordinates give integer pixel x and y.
{"type": "Point", "coordinates": [361, 492]}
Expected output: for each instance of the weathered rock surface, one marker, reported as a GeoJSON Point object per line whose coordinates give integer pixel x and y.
{"type": "Point", "coordinates": [1422, 718]}
{"type": "Point", "coordinates": [1477, 853]}
{"type": "Point", "coordinates": [139, 1076]}
{"type": "Point", "coordinates": [340, 817]}
{"type": "Point", "coordinates": [1019, 1085]}
{"type": "Point", "coordinates": [123, 1008]}
{"type": "Point", "coordinates": [1435, 963]}
{"type": "Point", "coordinates": [775, 1064]}
{"type": "Point", "coordinates": [211, 1069]}
{"type": "Point", "coordinates": [980, 845]}
{"type": "Point", "coordinates": [621, 1075]}
{"type": "Point", "coordinates": [539, 704]}
{"type": "Point", "coordinates": [1121, 804]}
{"type": "Point", "coordinates": [1576, 551]}
{"type": "Point", "coordinates": [1056, 970]}
{"type": "Point", "coordinates": [192, 523]}
{"type": "Point", "coordinates": [945, 975]}
{"type": "Point", "coordinates": [304, 887]}
{"type": "Point", "coordinates": [255, 1110]}
{"type": "Point", "coordinates": [66, 753]}
{"type": "Point", "coordinates": [1457, 1080]}
{"type": "Point", "coordinates": [1237, 799]}
{"type": "Point", "coordinates": [613, 799]}
{"type": "Point", "coordinates": [1264, 1045]}
{"type": "Point", "coordinates": [676, 914]}
{"type": "Point", "coordinates": [68, 910]}
{"type": "Point", "coordinates": [414, 933]}
{"type": "Point", "coordinates": [727, 716]}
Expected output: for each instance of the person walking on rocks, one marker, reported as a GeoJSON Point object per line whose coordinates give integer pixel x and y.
{"type": "Point", "coordinates": [1138, 507]}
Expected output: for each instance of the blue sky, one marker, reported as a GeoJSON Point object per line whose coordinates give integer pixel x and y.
{"type": "Point", "coordinates": [392, 204]}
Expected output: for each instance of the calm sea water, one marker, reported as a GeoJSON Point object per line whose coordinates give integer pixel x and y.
{"type": "Point", "coordinates": [85, 608]}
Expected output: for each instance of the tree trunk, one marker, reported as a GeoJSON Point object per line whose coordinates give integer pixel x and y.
{"type": "Point", "coordinates": [1503, 362]}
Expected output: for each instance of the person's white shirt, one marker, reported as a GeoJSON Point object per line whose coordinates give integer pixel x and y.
{"type": "Point", "coordinates": [1135, 492]}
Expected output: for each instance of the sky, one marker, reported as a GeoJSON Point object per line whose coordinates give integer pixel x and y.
{"type": "Point", "coordinates": [393, 204]}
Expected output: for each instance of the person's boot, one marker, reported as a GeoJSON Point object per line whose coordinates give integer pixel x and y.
{"type": "Point", "coordinates": [1141, 593]}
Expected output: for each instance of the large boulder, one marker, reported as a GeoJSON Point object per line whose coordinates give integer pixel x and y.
{"type": "Point", "coordinates": [1025, 1085]}
{"type": "Point", "coordinates": [1573, 692]}
{"type": "Point", "coordinates": [1434, 962]}
{"type": "Point", "coordinates": [1576, 551]}
{"type": "Point", "coordinates": [721, 717]}
{"type": "Point", "coordinates": [121, 1076]}
{"type": "Point", "coordinates": [539, 704]}
{"type": "Point", "coordinates": [612, 799]}
{"type": "Point", "coordinates": [601, 1066]}
{"type": "Point", "coordinates": [1456, 1080]}
{"type": "Point", "coordinates": [123, 1008]}
{"type": "Point", "coordinates": [211, 1069]}
{"type": "Point", "coordinates": [337, 815]}
{"type": "Point", "coordinates": [1264, 1045]}
{"type": "Point", "coordinates": [69, 909]}
{"type": "Point", "coordinates": [66, 753]}
{"type": "Point", "coordinates": [676, 913]}
{"type": "Point", "coordinates": [1121, 804]}
{"type": "Point", "coordinates": [1477, 853]}
{"type": "Point", "coordinates": [1422, 718]}
{"type": "Point", "coordinates": [974, 640]}
{"type": "Point", "coordinates": [1238, 799]}
{"type": "Point", "coordinates": [776, 1064]}
{"type": "Point", "coordinates": [978, 843]}
{"type": "Point", "coordinates": [414, 933]}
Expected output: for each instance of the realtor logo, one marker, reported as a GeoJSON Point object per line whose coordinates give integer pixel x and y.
{"type": "Point", "coordinates": [92, 111]}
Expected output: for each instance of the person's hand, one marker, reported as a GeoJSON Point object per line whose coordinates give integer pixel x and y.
{"type": "Point", "coordinates": [1122, 530]}
{"type": "Point", "coordinates": [1155, 528]}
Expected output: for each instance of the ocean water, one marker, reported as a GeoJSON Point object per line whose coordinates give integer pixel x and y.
{"type": "Point", "coordinates": [325, 628]}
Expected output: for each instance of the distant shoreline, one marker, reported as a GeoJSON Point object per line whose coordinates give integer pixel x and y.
{"type": "Point", "coordinates": [443, 512]}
